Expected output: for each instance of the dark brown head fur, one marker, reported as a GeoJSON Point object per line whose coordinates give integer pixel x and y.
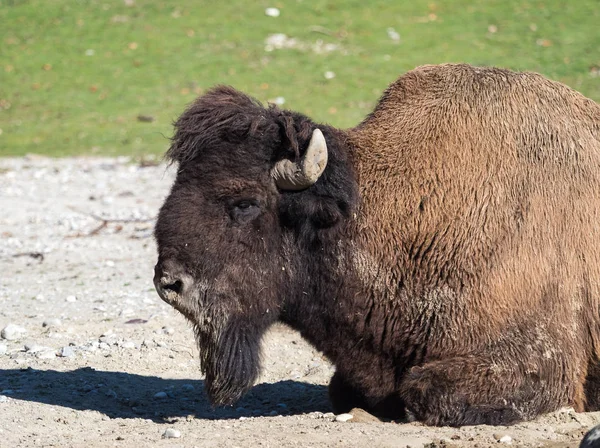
{"type": "Point", "coordinates": [228, 230]}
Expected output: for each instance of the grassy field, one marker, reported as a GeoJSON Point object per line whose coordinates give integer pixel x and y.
{"type": "Point", "coordinates": [75, 76]}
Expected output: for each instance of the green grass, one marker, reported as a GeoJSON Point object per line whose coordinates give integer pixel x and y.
{"type": "Point", "coordinates": [75, 75]}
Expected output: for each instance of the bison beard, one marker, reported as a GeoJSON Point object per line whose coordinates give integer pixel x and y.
{"type": "Point", "coordinates": [230, 359]}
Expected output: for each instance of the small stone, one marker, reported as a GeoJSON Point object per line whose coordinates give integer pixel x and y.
{"type": "Point", "coordinates": [505, 439]}
{"type": "Point", "coordinates": [53, 322]}
{"type": "Point", "coordinates": [48, 353]}
{"type": "Point", "coordinates": [344, 417]}
{"type": "Point", "coordinates": [160, 395]}
{"type": "Point", "coordinates": [13, 332]}
{"type": "Point", "coordinates": [66, 352]}
{"type": "Point", "coordinates": [171, 433]}
{"type": "Point", "coordinates": [329, 75]}
{"type": "Point", "coordinates": [272, 12]}
{"type": "Point", "coordinates": [187, 387]}
{"type": "Point", "coordinates": [591, 438]}
{"type": "Point", "coordinates": [3, 398]}
{"type": "Point", "coordinates": [110, 393]}
{"type": "Point", "coordinates": [34, 348]}
{"type": "Point", "coordinates": [128, 344]}
{"type": "Point", "coordinates": [362, 416]}
{"type": "Point", "coordinates": [110, 263]}
{"type": "Point", "coordinates": [71, 299]}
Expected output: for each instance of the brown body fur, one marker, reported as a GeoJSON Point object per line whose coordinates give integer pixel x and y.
{"type": "Point", "coordinates": [483, 203]}
{"type": "Point", "coordinates": [463, 282]}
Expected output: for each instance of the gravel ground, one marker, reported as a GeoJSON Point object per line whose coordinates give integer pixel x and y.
{"type": "Point", "coordinates": [91, 357]}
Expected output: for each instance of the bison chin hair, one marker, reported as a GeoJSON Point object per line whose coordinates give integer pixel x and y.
{"type": "Point", "coordinates": [230, 359]}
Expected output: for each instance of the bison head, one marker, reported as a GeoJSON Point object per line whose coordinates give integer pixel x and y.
{"type": "Point", "coordinates": [258, 193]}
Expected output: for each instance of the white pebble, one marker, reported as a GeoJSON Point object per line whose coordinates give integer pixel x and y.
{"type": "Point", "coordinates": [46, 354]}
{"type": "Point", "coordinates": [53, 322]}
{"type": "Point", "coordinates": [110, 263]}
{"type": "Point", "coordinates": [12, 332]}
{"type": "Point", "coordinates": [128, 344]}
{"type": "Point", "coordinates": [344, 417]}
{"type": "Point", "coordinates": [506, 439]}
{"type": "Point", "coordinates": [160, 395]}
{"type": "Point", "coordinates": [280, 101]}
{"type": "Point", "coordinates": [272, 12]}
{"type": "Point", "coordinates": [171, 433]}
{"type": "Point", "coordinates": [71, 299]}
{"type": "Point", "coordinates": [329, 75]}
{"type": "Point", "coordinates": [67, 352]}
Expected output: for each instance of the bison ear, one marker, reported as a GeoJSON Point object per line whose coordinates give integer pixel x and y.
{"type": "Point", "coordinates": [303, 173]}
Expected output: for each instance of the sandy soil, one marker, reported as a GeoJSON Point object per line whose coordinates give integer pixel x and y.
{"type": "Point", "coordinates": [95, 359]}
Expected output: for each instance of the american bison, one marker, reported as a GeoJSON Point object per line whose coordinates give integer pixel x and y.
{"type": "Point", "coordinates": [444, 254]}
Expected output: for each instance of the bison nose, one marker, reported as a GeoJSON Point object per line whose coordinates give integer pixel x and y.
{"type": "Point", "coordinates": [170, 281]}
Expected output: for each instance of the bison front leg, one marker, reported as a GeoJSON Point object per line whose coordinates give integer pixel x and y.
{"type": "Point", "coordinates": [472, 390]}
{"type": "Point", "coordinates": [344, 397]}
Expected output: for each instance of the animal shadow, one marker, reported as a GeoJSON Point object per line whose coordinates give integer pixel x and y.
{"type": "Point", "coordinates": [126, 395]}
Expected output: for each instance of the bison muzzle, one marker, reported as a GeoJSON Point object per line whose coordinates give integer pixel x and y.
{"type": "Point", "coordinates": [444, 254]}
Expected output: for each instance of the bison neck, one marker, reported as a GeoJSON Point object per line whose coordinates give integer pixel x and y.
{"type": "Point", "coordinates": [351, 321]}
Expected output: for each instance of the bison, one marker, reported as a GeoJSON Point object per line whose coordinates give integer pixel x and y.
{"type": "Point", "coordinates": [444, 254]}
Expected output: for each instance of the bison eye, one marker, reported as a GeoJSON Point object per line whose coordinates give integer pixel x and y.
{"type": "Point", "coordinates": [244, 210]}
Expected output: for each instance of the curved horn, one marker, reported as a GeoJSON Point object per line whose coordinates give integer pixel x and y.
{"type": "Point", "coordinates": [299, 175]}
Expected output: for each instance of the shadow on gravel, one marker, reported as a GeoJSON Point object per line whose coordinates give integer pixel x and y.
{"type": "Point", "coordinates": [125, 395]}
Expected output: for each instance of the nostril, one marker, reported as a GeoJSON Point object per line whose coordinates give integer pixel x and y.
{"type": "Point", "coordinates": [176, 286]}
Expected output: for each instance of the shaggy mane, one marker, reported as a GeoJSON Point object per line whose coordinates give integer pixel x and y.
{"type": "Point", "coordinates": [226, 114]}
